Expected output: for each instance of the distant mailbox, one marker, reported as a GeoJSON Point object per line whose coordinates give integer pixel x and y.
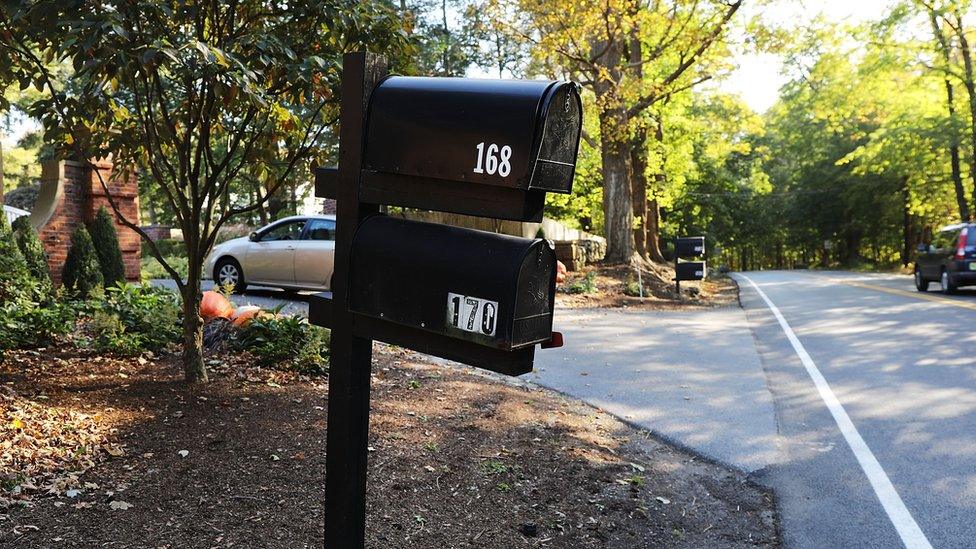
{"type": "Point", "coordinates": [490, 289]}
{"type": "Point", "coordinates": [491, 148]}
{"type": "Point", "coordinates": [690, 270]}
{"type": "Point", "coordinates": [689, 246]}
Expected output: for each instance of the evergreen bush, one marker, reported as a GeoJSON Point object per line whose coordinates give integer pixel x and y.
{"type": "Point", "coordinates": [82, 273]}
{"type": "Point", "coordinates": [15, 279]}
{"type": "Point", "coordinates": [106, 241]}
{"type": "Point", "coordinates": [31, 248]}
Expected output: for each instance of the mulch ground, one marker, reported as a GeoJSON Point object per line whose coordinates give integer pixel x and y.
{"type": "Point", "coordinates": [613, 282]}
{"type": "Point", "coordinates": [127, 455]}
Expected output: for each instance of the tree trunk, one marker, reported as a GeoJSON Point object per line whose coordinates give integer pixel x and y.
{"type": "Point", "coordinates": [961, 199]}
{"type": "Point", "coordinates": [653, 234]}
{"type": "Point", "coordinates": [194, 370]}
{"type": "Point", "coordinates": [943, 44]}
{"type": "Point", "coordinates": [906, 250]}
{"type": "Point", "coordinates": [638, 159]}
{"type": "Point", "coordinates": [618, 210]}
{"type": "Point", "coordinates": [970, 85]}
{"type": "Point", "coordinates": [652, 228]}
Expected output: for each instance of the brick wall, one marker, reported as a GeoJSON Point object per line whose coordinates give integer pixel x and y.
{"type": "Point", "coordinates": [78, 202]}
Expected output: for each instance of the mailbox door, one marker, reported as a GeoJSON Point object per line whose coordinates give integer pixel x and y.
{"type": "Point", "coordinates": [462, 283]}
{"type": "Point", "coordinates": [507, 133]}
{"type": "Point", "coordinates": [690, 246]}
{"type": "Point", "coordinates": [690, 270]}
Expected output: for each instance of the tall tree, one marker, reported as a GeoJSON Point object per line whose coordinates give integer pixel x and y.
{"type": "Point", "coordinates": [945, 52]}
{"type": "Point", "coordinates": [200, 92]}
{"type": "Point", "coordinates": [632, 55]}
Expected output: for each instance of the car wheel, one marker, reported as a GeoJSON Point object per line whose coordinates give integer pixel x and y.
{"type": "Point", "coordinates": [228, 272]}
{"type": "Point", "coordinates": [946, 282]}
{"type": "Point", "coordinates": [921, 284]}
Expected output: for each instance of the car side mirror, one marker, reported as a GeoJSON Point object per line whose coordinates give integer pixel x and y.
{"type": "Point", "coordinates": [253, 237]}
{"type": "Point", "coordinates": [922, 248]}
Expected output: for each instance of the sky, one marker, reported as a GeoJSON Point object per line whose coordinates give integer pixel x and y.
{"type": "Point", "coordinates": [757, 79]}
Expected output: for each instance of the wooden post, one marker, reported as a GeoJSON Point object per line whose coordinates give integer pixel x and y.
{"type": "Point", "coordinates": [351, 356]}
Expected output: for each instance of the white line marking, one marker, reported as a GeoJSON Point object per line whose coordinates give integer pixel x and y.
{"type": "Point", "coordinates": [911, 535]}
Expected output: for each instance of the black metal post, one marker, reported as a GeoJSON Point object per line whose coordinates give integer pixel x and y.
{"type": "Point", "coordinates": [351, 356]}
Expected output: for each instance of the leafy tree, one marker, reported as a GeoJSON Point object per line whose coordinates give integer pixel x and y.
{"type": "Point", "coordinates": [82, 273]}
{"type": "Point", "coordinates": [33, 251]}
{"type": "Point", "coordinates": [632, 56]}
{"type": "Point", "coordinates": [106, 240]}
{"type": "Point", "coordinates": [203, 94]}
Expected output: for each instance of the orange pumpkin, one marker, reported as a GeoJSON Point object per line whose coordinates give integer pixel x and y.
{"type": "Point", "coordinates": [244, 314]}
{"type": "Point", "coordinates": [215, 305]}
{"type": "Point", "coordinates": [560, 272]}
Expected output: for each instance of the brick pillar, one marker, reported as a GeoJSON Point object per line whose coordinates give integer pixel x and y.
{"type": "Point", "coordinates": [124, 188]}
{"type": "Point", "coordinates": [71, 195]}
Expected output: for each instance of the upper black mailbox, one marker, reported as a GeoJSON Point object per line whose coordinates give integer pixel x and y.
{"type": "Point", "coordinates": [522, 134]}
{"type": "Point", "coordinates": [490, 148]}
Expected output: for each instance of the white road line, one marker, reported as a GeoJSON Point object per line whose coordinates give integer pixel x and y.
{"type": "Point", "coordinates": [911, 535]}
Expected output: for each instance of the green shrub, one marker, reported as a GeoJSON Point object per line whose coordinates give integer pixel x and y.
{"type": "Point", "coordinates": [167, 247]}
{"type": "Point", "coordinates": [585, 285]}
{"type": "Point", "coordinates": [152, 268]}
{"type": "Point", "coordinates": [31, 248]}
{"type": "Point", "coordinates": [15, 279]}
{"type": "Point", "coordinates": [25, 323]}
{"type": "Point", "coordinates": [106, 241]}
{"type": "Point", "coordinates": [633, 289]}
{"type": "Point", "coordinates": [82, 273]}
{"type": "Point", "coordinates": [286, 340]}
{"type": "Point", "coordinates": [133, 319]}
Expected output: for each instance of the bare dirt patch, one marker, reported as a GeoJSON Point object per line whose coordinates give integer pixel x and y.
{"type": "Point", "coordinates": [616, 286]}
{"type": "Point", "coordinates": [457, 460]}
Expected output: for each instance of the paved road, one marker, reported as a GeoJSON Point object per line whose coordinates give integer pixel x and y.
{"type": "Point", "coordinates": [901, 367]}
{"type": "Point", "coordinates": [693, 378]}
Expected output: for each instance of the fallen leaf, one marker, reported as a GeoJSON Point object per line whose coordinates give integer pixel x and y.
{"type": "Point", "coordinates": [183, 453]}
{"type": "Point", "coordinates": [16, 423]}
{"type": "Point", "coordinates": [120, 505]}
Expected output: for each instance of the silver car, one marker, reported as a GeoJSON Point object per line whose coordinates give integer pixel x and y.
{"type": "Point", "coordinates": [294, 253]}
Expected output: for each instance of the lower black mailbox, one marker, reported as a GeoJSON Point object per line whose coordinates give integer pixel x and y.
{"type": "Point", "coordinates": [690, 270]}
{"type": "Point", "coordinates": [490, 289]}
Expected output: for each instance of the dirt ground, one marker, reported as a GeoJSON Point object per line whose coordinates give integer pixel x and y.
{"type": "Point", "coordinates": [136, 458]}
{"type": "Point", "coordinates": [617, 286]}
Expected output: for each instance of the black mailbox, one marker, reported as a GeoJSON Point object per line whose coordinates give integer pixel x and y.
{"type": "Point", "coordinates": [690, 270]}
{"type": "Point", "coordinates": [485, 288]}
{"type": "Point", "coordinates": [490, 148]}
{"type": "Point", "coordinates": [689, 246]}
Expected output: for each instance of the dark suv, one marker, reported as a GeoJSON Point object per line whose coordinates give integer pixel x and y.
{"type": "Point", "coordinates": [949, 260]}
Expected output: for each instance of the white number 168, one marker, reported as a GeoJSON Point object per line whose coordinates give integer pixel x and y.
{"type": "Point", "coordinates": [489, 163]}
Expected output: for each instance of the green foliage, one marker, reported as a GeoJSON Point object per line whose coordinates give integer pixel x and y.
{"type": "Point", "coordinates": [151, 268]}
{"type": "Point", "coordinates": [585, 285]}
{"type": "Point", "coordinates": [31, 248]}
{"type": "Point", "coordinates": [132, 319]}
{"type": "Point", "coordinates": [14, 275]}
{"type": "Point", "coordinates": [106, 241]}
{"type": "Point", "coordinates": [82, 273]}
{"type": "Point", "coordinates": [285, 340]}
{"type": "Point", "coordinates": [26, 323]}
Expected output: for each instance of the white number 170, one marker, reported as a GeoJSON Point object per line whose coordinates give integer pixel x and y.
{"type": "Point", "coordinates": [491, 162]}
